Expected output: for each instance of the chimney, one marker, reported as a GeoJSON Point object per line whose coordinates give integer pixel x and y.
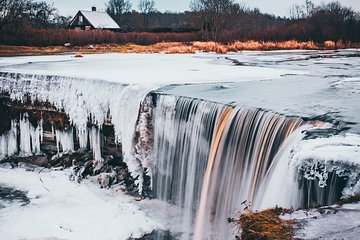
{"type": "Point", "coordinates": [93, 9]}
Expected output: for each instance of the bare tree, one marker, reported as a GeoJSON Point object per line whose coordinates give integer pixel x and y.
{"type": "Point", "coordinates": [309, 7]}
{"type": "Point", "coordinates": [146, 7]}
{"type": "Point", "coordinates": [296, 12]}
{"type": "Point", "coordinates": [302, 11]}
{"type": "Point", "coordinates": [11, 10]}
{"type": "Point", "coordinates": [42, 14]}
{"type": "Point", "coordinates": [214, 14]}
{"type": "Point", "coordinates": [118, 7]}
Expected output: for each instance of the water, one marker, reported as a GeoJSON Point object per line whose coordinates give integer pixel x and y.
{"type": "Point", "coordinates": [10, 195]}
{"type": "Point", "coordinates": [209, 158]}
{"type": "Point", "coordinates": [182, 138]}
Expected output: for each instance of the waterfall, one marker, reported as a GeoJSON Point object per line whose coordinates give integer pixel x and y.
{"type": "Point", "coordinates": [205, 157]}
{"type": "Point", "coordinates": [241, 154]}
{"type": "Point", "coordinates": [182, 138]}
{"type": "Point", "coordinates": [209, 158]}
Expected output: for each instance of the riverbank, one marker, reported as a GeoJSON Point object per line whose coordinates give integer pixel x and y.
{"type": "Point", "coordinates": [172, 47]}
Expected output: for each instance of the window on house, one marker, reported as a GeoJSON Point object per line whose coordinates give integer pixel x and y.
{"type": "Point", "coordinates": [81, 19]}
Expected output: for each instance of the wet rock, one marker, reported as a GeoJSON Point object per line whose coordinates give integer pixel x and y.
{"type": "Point", "coordinates": [159, 234]}
{"type": "Point", "coordinates": [105, 180]}
{"type": "Point", "coordinates": [49, 149]}
{"type": "Point", "coordinates": [146, 190]}
{"type": "Point", "coordinates": [63, 160]}
{"type": "Point", "coordinates": [57, 168]}
{"type": "Point", "coordinates": [27, 166]}
{"type": "Point", "coordinates": [36, 160]}
{"type": "Point", "coordinates": [121, 174]}
{"type": "Point", "coordinates": [99, 165]}
{"type": "Point", "coordinates": [6, 165]}
{"type": "Point", "coordinates": [87, 169]}
{"type": "Point", "coordinates": [41, 161]}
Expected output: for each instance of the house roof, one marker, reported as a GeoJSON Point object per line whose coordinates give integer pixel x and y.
{"type": "Point", "coordinates": [100, 19]}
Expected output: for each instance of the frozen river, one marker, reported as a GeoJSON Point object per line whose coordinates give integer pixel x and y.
{"type": "Point", "coordinates": [301, 85]}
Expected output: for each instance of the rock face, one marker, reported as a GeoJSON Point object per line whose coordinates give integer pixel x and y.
{"type": "Point", "coordinates": [55, 124]}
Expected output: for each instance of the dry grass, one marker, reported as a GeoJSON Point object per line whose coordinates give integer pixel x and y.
{"type": "Point", "coordinates": [330, 44]}
{"type": "Point", "coordinates": [287, 45]}
{"type": "Point", "coordinates": [210, 47]}
{"type": "Point", "coordinates": [172, 47]}
{"type": "Point", "coordinates": [265, 225]}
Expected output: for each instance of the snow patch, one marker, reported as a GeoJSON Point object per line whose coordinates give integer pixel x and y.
{"type": "Point", "coordinates": [61, 209]}
{"type": "Point", "coordinates": [318, 157]}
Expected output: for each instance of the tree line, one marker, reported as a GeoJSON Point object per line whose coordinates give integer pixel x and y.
{"type": "Point", "coordinates": [217, 20]}
{"type": "Point", "coordinates": [28, 13]}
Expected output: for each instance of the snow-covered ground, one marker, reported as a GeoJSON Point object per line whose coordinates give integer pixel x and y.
{"type": "Point", "coordinates": [143, 69]}
{"type": "Point", "coordinates": [61, 209]}
{"type": "Point", "coordinates": [331, 223]}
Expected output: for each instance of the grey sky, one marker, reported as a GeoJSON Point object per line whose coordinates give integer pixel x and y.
{"type": "Point", "coordinates": [277, 7]}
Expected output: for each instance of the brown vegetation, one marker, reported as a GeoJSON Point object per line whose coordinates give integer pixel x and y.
{"type": "Point", "coordinates": [171, 47]}
{"type": "Point", "coordinates": [264, 225]}
{"type": "Point", "coordinates": [27, 25]}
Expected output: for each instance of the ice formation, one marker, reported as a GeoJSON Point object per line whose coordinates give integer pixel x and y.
{"type": "Point", "coordinates": [8, 142]}
{"type": "Point", "coordinates": [30, 139]}
{"type": "Point", "coordinates": [321, 156]}
{"type": "Point", "coordinates": [64, 141]}
{"type": "Point", "coordinates": [85, 100]}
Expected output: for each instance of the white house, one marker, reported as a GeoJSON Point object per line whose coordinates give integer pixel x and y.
{"type": "Point", "coordinates": [87, 20]}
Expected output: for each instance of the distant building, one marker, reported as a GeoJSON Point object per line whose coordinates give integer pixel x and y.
{"type": "Point", "coordinates": [88, 20]}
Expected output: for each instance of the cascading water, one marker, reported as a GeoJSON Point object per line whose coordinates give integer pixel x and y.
{"type": "Point", "coordinates": [241, 154]}
{"type": "Point", "coordinates": [182, 138]}
{"type": "Point", "coordinates": [209, 158]}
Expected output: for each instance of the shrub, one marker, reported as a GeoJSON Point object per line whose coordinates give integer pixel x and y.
{"type": "Point", "coordinates": [329, 44]}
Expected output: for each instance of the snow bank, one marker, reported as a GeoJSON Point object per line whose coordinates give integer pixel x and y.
{"type": "Point", "coordinates": [142, 69]}
{"type": "Point", "coordinates": [60, 209]}
{"type": "Point", "coordinates": [335, 222]}
{"type": "Point", "coordinates": [318, 157]}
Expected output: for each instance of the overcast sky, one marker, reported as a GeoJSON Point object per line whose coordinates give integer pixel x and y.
{"type": "Point", "coordinates": [277, 7]}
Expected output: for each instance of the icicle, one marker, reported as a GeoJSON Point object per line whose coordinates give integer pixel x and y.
{"type": "Point", "coordinates": [8, 142]}
{"type": "Point", "coordinates": [64, 141]}
{"type": "Point", "coordinates": [83, 137]}
{"type": "Point", "coordinates": [25, 138]}
{"type": "Point", "coordinates": [100, 99]}
{"type": "Point", "coordinates": [95, 143]}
